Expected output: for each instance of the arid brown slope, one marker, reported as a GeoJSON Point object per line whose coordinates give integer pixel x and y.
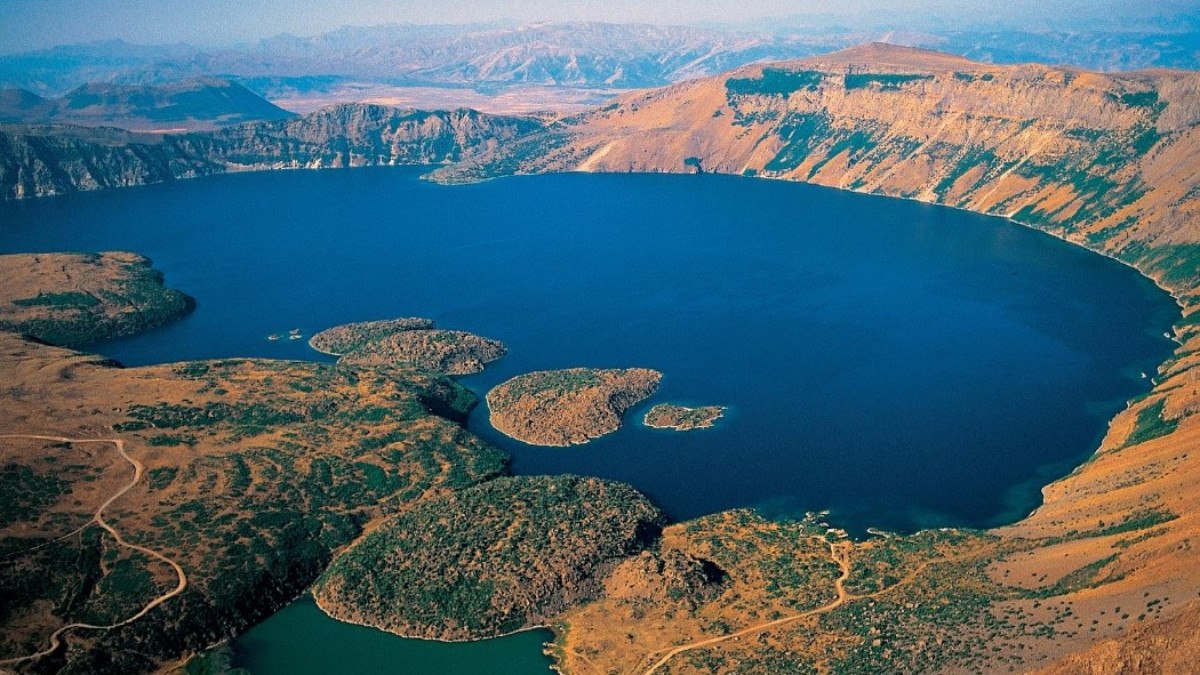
{"type": "Point", "coordinates": [75, 298]}
{"type": "Point", "coordinates": [567, 407]}
{"type": "Point", "coordinates": [487, 561]}
{"type": "Point", "coordinates": [1171, 646]}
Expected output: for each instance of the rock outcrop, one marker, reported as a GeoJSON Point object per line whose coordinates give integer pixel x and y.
{"type": "Point", "coordinates": [568, 407]}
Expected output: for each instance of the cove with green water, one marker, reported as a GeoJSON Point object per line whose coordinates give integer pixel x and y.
{"type": "Point", "coordinates": [899, 364]}
{"type": "Point", "coordinates": [301, 640]}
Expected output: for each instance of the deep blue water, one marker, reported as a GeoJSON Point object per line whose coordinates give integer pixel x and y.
{"type": "Point", "coordinates": [900, 364]}
{"type": "Point", "coordinates": [903, 365]}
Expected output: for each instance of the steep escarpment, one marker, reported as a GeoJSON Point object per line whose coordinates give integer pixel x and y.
{"type": "Point", "coordinates": [358, 135]}
{"type": "Point", "coordinates": [1108, 161]}
{"type": "Point", "coordinates": [46, 160]}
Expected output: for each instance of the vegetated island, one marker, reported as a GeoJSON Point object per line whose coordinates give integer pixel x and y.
{"type": "Point", "coordinates": [77, 298]}
{"type": "Point", "coordinates": [682, 418]}
{"type": "Point", "coordinates": [413, 342]}
{"type": "Point", "coordinates": [568, 407]}
{"type": "Point", "coordinates": [506, 555]}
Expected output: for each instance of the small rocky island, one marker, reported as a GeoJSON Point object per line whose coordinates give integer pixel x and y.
{"type": "Point", "coordinates": [568, 407]}
{"type": "Point", "coordinates": [411, 342]}
{"type": "Point", "coordinates": [682, 418]}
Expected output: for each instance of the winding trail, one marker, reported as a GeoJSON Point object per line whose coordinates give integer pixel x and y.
{"type": "Point", "coordinates": [839, 551]}
{"type": "Point", "coordinates": [98, 518]}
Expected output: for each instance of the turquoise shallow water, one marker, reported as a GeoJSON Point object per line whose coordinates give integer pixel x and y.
{"type": "Point", "coordinates": [301, 640]}
{"type": "Point", "coordinates": [900, 364]}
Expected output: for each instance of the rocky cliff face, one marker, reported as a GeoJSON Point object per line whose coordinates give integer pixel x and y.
{"type": "Point", "coordinates": [1109, 161]}
{"type": "Point", "coordinates": [47, 160]}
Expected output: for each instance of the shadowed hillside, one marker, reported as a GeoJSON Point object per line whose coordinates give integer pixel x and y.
{"type": "Point", "coordinates": [48, 159]}
{"type": "Point", "coordinates": [198, 103]}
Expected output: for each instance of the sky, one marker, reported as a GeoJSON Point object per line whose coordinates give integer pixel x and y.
{"type": "Point", "coordinates": [33, 24]}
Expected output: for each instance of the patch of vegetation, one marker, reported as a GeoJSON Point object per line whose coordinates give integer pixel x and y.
{"type": "Point", "coordinates": [884, 81]}
{"type": "Point", "coordinates": [801, 133]}
{"type": "Point", "coordinates": [1151, 424]}
{"type": "Point", "coordinates": [170, 440]}
{"type": "Point", "coordinates": [67, 300]}
{"type": "Point", "coordinates": [1087, 576]}
{"type": "Point", "coordinates": [216, 661]}
{"type": "Point", "coordinates": [496, 558]}
{"type": "Point", "coordinates": [972, 77]}
{"type": "Point", "coordinates": [1139, 99]}
{"type": "Point", "coordinates": [971, 159]}
{"type": "Point", "coordinates": [1177, 264]}
{"type": "Point", "coordinates": [553, 381]}
{"type": "Point", "coordinates": [26, 493]}
{"type": "Point", "coordinates": [1133, 522]}
{"type": "Point", "coordinates": [774, 82]}
{"type": "Point", "coordinates": [125, 587]}
{"type": "Point", "coordinates": [349, 337]}
{"type": "Point", "coordinates": [854, 143]}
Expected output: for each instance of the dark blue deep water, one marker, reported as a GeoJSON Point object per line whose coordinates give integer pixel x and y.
{"type": "Point", "coordinates": [900, 364]}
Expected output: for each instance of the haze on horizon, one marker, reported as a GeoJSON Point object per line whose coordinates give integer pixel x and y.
{"type": "Point", "coordinates": [36, 24]}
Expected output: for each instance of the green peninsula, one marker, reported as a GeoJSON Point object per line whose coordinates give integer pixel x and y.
{"type": "Point", "coordinates": [506, 555]}
{"type": "Point", "coordinates": [76, 298]}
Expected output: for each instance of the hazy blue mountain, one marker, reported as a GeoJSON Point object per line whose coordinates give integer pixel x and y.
{"type": "Point", "coordinates": [206, 102]}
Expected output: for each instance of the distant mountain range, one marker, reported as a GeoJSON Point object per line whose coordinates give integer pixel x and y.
{"type": "Point", "coordinates": [195, 103]}
{"type": "Point", "coordinates": [582, 55]}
